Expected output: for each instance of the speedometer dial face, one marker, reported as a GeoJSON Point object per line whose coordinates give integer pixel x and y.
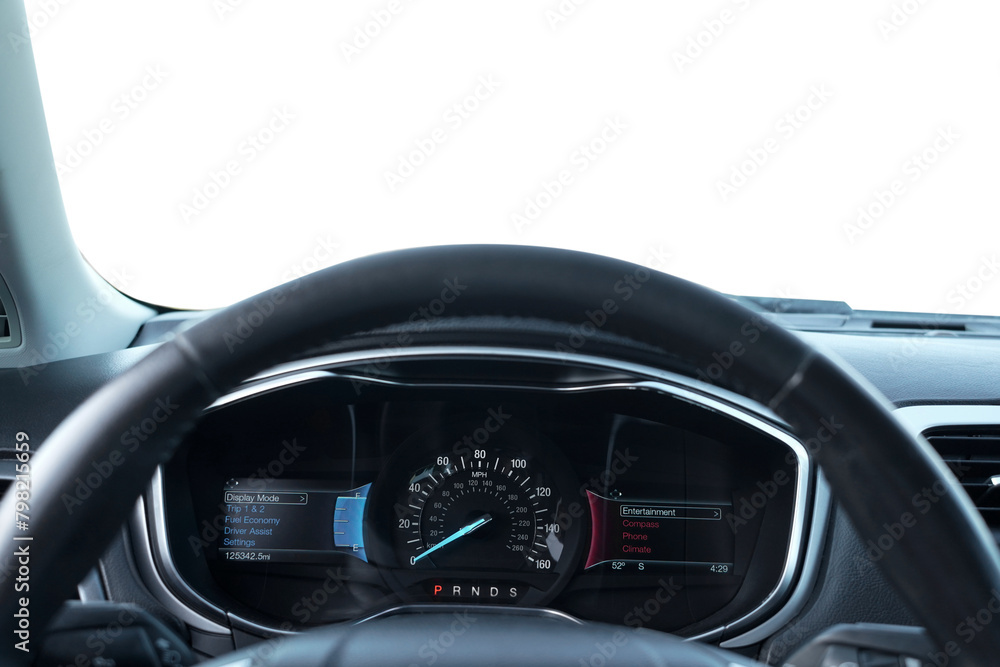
{"type": "Point", "coordinates": [484, 510]}
{"type": "Point", "coordinates": [496, 522]}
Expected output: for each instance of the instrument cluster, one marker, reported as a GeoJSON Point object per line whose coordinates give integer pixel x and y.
{"type": "Point", "coordinates": [634, 503]}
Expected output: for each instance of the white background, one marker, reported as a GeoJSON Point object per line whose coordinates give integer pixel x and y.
{"type": "Point", "coordinates": [694, 85]}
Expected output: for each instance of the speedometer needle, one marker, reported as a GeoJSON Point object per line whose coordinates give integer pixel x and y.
{"type": "Point", "coordinates": [461, 532]}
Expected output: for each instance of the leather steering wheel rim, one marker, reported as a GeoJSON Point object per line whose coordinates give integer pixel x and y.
{"type": "Point", "coordinates": [873, 465]}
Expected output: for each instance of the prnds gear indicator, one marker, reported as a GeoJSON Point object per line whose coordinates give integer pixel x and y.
{"type": "Point", "coordinates": [642, 534]}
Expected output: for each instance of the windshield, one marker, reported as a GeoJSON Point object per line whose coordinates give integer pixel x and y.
{"type": "Point", "coordinates": [845, 151]}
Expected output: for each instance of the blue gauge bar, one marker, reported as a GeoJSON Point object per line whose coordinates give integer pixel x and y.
{"type": "Point", "coordinates": [348, 530]}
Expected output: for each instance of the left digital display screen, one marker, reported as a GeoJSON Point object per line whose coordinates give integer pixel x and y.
{"type": "Point", "coordinates": [291, 521]}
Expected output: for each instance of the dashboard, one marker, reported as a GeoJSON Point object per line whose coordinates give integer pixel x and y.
{"type": "Point", "coordinates": [349, 420]}
{"type": "Point", "coordinates": [330, 492]}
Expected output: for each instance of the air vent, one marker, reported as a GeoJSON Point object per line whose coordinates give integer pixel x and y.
{"type": "Point", "coordinates": [918, 325]}
{"type": "Point", "coordinates": [7, 470]}
{"type": "Point", "coordinates": [974, 456]}
{"type": "Point", "coordinates": [10, 329]}
{"type": "Point", "coordinates": [4, 324]}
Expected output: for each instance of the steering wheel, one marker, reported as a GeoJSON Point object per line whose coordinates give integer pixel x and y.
{"type": "Point", "coordinates": [945, 566]}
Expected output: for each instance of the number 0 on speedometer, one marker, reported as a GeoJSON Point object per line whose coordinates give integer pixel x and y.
{"type": "Point", "coordinates": [489, 509]}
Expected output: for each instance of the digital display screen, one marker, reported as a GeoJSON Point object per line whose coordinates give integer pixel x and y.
{"type": "Point", "coordinates": [631, 535]}
{"type": "Point", "coordinates": [290, 521]}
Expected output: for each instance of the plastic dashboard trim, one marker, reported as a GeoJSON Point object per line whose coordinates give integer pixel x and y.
{"type": "Point", "coordinates": [917, 419]}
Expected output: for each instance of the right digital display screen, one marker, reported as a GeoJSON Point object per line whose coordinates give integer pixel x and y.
{"type": "Point", "coordinates": [640, 535]}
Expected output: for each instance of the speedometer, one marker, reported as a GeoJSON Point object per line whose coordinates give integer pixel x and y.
{"type": "Point", "coordinates": [483, 510]}
{"type": "Point", "coordinates": [494, 522]}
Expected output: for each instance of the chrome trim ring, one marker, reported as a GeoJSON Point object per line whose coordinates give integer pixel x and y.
{"type": "Point", "coordinates": [678, 386]}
